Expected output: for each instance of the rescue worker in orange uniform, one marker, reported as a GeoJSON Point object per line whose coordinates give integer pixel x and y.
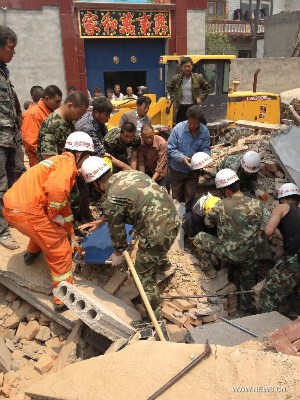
{"type": "Point", "coordinates": [37, 206]}
{"type": "Point", "coordinates": [33, 118]}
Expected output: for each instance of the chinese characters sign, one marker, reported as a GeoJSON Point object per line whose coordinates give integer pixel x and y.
{"type": "Point", "coordinates": [124, 24]}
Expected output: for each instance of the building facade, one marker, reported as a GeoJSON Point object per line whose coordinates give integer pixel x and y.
{"type": "Point", "coordinates": [235, 21]}
{"type": "Point", "coordinates": [100, 43]}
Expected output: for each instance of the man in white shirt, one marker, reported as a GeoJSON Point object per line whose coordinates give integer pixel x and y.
{"type": "Point", "coordinates": [130, 94]}
{"type": "Point", "coordinates": [117, 93]}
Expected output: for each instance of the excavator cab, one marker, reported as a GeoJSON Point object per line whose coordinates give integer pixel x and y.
{"type": "Point", "coordinates": [215, 70]}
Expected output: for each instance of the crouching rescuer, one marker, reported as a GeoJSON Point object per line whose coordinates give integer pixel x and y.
{"type": "Point", "coordinates": [37, 205]}
{"type": "Point", "coordinates": [131, 197]}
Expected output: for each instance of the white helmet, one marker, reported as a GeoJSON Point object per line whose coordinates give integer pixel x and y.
{"type": "Point", "coordinates": [225, 177]}
{"type": "Point", "coordinates": [200, 160]}
{"type": "Point", "coordinates": [250, 162]}
{"type": "Point", "coordinates": [79, 141]}
{"type": "Point", "coordinates": [93, 168]}
{"type": "Point", "coordinates": [288, 189]}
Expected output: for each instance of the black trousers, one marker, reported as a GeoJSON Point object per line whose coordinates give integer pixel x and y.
{"type": "Point", "coordinates": [181, 113]}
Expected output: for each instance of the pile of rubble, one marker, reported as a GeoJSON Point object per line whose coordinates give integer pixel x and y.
{"type": "Point", "coordinates": [30, 343]}
{"type": "Point", "coordinates": [185, 278]}
{"type": "Point", "coordinates": [286, 112]}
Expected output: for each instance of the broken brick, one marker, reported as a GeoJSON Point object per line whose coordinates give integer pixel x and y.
{"type": "Point", "coordinates": [44, 364]}
{"type": "Point", "coordinates": [297, 345]}
{"type": "Point", "coordinates": [183, 305]}
{"type": "Point", "coordinates": [167, 313]}
{"type": "Point", "coordinates": [31, 330]}
{"type": "Point", "coordinates": [210, 318]}
{"type": "Point", "coordinates": [176, 333]}
{"type": "Point", "coordinates": [270, 166]}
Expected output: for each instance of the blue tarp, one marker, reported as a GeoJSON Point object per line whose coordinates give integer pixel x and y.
{"type": "Point", "coordinates": [98, 246]}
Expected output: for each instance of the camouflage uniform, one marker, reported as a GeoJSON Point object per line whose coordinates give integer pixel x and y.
{"type": "Point", "coordinates": [8, 132]}
{"type": "Point", "coordinates": [53, 134]}
{"type": "Point", "coordinates": [52, 138]}
{"type": "Point", "coordinates": [282, 281]}
{"type": "Point", "coordinates": [200, 88]}
{"type": "Point", "coordinates": [134, 198]}
{"type": "Point", "coordinates": [117, 149]}
{"type": "Point", "coordinates": [248, 185]}
{"type": "Point", "coordinates": [19, 157]}
{"type": "Point", "coordinates": [238, 219]}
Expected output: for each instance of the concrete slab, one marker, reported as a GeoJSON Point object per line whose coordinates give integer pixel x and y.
{"type": "Point", "coordinates": [42, 302]}
{"type": "Point", "coordinates": [285, 145]}
{"type": "Point", "coordinates": [93, 313]}
{"type": "Point", "coordinates": [139, 370]}
{"type": "Point", "coordinates": [226, 335]}
{"type": "Point", "coordinates": [35, 277]}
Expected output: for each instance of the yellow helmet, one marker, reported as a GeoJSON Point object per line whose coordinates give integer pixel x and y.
{"type": "Point", "coordinates": [108, 162]}
{"type": "Point", "coordinates": [210, 203]}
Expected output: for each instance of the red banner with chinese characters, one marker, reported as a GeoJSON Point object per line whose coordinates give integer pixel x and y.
{"type": "Point", "coordinates": [124, 24]}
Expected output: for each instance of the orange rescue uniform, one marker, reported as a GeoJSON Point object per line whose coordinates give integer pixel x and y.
{"type": "Point", "coordinates": [30, 205]}
{"type": "Point", "coordinates": [32, 121]}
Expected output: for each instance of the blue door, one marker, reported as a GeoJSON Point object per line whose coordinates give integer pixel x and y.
{"type": "Point", "coordinates": [104, 72]}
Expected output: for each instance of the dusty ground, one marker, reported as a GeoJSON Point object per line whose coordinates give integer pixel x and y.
{"type": "Point", "coordinates": [141, 369]}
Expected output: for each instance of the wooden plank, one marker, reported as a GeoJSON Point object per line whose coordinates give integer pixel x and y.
{"type": "Point", "coordinates": [115, 282]}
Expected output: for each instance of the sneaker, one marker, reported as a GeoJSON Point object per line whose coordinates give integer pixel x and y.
{"type": "Point", "coordinates": [30, 257]}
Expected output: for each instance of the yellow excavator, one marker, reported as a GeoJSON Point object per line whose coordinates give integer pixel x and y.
{"type": "Point", "coordinates": [224, 107]}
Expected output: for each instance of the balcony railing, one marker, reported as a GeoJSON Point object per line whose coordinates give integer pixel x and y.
{"type": "Point", "coordinates": [234, 28]}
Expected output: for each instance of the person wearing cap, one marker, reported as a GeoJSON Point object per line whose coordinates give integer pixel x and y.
{"type": "Point", "coordinates": [132, 197]}
{"type": "Point", "coordinates": [37, 206]}
{"type": "Point", "coordinates": [246, 166]}
{"type": "Point", "coordinates": [284, 278]}
{"type": "Point", "coordinates": [239, 220]}
{"type": "Point", "coordinates": [186, 139]}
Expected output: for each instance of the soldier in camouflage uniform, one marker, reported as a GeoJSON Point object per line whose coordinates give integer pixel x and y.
{"type": "Point", "coordinates": [8, 129]}
{"type": "Point", "coordinates": [123, 144]}
{"type": "Point", "coordinates": [55, 130]}
{"type": "Point", "coordinates": [186, 89]}
{"type": "Point", "coordinates": [284, 279]}
{"type": "Point", "coordinates": [246, 166]}
{"type": "Point", "coordinates": [239, 220]}
{"type": "Point", "coordinates": [131, 197]}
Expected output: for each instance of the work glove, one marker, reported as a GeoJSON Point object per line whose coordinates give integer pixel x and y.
{"type": "Point", "coordinates": [116, 260]}
{"type": "Point", "coordinates": [261, 195]}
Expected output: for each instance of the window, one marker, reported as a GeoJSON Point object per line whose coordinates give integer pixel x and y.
{"type": "Point", "coordinates": [244, 54]}
{"type": "Point", "coordinates": [226, 77]}
{"type": "Point", "coordinates": [209, 72]}
{"type": "Point", "coordinates": [265, 7]}
{"type": "Point", "coordinates": [216, 8]}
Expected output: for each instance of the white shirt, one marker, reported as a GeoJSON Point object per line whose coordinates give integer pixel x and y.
{"type": "Point", "coordinates": [139, 124]}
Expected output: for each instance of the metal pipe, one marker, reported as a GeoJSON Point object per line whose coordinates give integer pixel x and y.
{"type": "Point", "coordinates": [199, 296]}
{"type": "Point", "coordinates": [255, 80]}
{"type": "Point", "coordinates": [183, 372]}
{"type": "Point", "coordinates": [241, 328]}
